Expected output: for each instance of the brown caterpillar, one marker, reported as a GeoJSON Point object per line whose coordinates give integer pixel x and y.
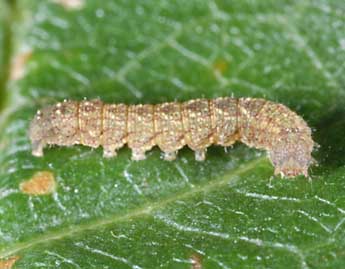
{"type": "Point", "coordinates": [198, 123]}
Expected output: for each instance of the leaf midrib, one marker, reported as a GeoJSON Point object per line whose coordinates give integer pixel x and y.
{"type": "Point", "coordinates": [230, 178]}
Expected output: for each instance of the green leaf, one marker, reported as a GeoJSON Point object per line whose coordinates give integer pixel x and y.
{"type": "Point", "coordinates": [7, 17]}
{"type": "Point", "coordinates": [229, 210]}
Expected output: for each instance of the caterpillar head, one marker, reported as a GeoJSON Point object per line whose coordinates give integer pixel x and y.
{"type": "Point", "coordinates": [57, 124]}
{"type": "Point", "coordinates": [292, 158]}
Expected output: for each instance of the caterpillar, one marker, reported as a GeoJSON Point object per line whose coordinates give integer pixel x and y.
{"type": "Point", "coordinates": [198, 123]}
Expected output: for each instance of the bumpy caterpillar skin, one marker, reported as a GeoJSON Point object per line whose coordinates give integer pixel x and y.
{"type": "Point", "coordinates": [197, 123]}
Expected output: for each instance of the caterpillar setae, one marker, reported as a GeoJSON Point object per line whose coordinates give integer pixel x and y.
{"type": "Point", "coordinates": [197, 123]}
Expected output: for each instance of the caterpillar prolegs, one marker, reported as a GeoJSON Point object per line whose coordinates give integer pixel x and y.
{"type": "Point", "coordinates": [197, 123]}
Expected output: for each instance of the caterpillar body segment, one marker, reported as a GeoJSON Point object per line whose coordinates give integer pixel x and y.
{"type": "Point", "coordinates": [114, 126]}
{"type": "Point", "coordinates": [169, 129]}
{"type": "Point", "coordinates": [90, 120]}
{"type": "Point", "coordinates": [140, 130]}
{"type": "Point", "coordinates": [197, 123]}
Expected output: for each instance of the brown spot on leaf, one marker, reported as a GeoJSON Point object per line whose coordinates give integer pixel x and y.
{"type": "Point", "coordinates": [220, 66]}
{"type": "Point", "coordinates": [18, 64]}
{"type": "Point", "coordinates": [41, 183]}
{"type": "Point", "coordinates": [71, 4]}
{"type": "Point", "coordinates": [8, 263]}
{"type": "Point", "coordinates": [196, 261]}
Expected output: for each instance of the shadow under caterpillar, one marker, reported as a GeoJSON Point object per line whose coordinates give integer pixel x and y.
{"type": "Point", "coordinates": [197, 123]}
